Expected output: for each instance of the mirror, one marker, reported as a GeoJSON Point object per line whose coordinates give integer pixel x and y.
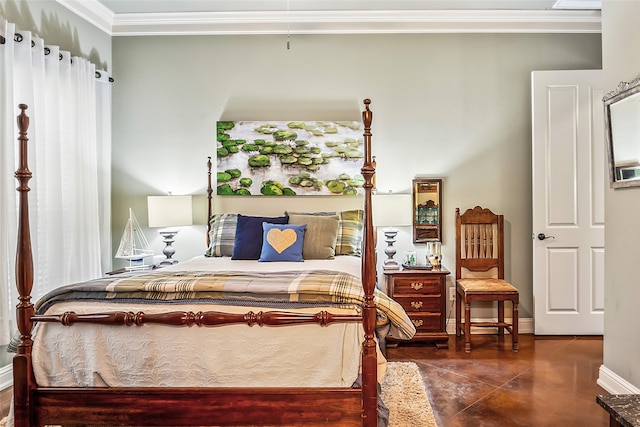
{"type": "Point", "coordinates": [622, 133]}
{"type": "Point", "coordinates": [427, 210]}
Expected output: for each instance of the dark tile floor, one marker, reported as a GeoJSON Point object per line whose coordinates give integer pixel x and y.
{"type": "Point", "coordinates": [550, 382]}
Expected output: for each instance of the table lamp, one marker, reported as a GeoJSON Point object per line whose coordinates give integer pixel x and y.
{"type": "Point", "coordinates": [168, 212]}
{"type": "Point", "coordinates": [391, 210]}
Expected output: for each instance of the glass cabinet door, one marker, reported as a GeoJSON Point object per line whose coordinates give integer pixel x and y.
{"type": "Point", "coordinates": [427, 210]}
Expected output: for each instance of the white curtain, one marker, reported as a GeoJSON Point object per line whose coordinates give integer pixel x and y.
{"type": "Point", "coordinates": [69, 105]}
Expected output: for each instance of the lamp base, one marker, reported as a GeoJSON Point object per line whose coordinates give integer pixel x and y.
{"type": "Point", "coordinates": [391, 264]}
{"type": "Point", "coordinates": [166, 262]}
{"type": "Point", "coordinates": [390, 250]}
{"type": "Point", "coordinates": [168, 237]}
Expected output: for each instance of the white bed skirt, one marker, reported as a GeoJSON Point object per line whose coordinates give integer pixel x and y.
{"type": "Point", "coordinates": [225, 356]}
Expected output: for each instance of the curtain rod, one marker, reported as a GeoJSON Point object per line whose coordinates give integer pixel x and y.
{"type": "Point", "coordinates": [19, 38]}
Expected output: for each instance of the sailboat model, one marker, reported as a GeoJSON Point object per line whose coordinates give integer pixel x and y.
{"type": "Point", "coordinates": [133, 245]}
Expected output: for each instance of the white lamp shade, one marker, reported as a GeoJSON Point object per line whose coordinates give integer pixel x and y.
{"type": "Point", "coordinates": [392, 210]}
{"type": "Point", "coordinates": [169, 211]}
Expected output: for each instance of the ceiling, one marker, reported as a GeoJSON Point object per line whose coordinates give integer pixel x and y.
{"type": "Point", "coordinates": [160, 17]}
{"type": "Point", "coordinates": [167, 6]}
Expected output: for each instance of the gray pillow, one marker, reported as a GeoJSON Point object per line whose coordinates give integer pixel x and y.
{"type": "Point", "coordinates": [320, 237]}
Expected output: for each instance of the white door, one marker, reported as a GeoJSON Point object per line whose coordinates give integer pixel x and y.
{"type": "Point", "coordinates": [568, 178]}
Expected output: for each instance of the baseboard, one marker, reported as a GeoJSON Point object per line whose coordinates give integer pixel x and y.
{"type": "Point", "coordinates": [613, 383]}
{"type": "Point", "coordinates": [6, 376]}
{"type": "Point", "coordinates": [525, 326]}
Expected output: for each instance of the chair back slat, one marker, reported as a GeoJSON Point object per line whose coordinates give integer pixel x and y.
{"type": "Point", "coordinates": [491, 238]}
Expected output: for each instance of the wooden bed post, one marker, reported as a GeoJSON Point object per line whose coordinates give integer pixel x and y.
{"type": "Point", "coordinates": [22, 372]}
{"type": "Point", "coordinates": [209, 196]}
{"type": "Point", "coordinates": [369, 356]}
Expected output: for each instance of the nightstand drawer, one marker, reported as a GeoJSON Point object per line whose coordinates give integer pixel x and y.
{"type": "Point", "coordinates": [419, 302]}
{"type": "Point", "coordinates": [426, 322]}
{"type": "Point", "coordinates": [413, 285]}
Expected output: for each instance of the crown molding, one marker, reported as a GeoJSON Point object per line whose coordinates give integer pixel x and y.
{"type": "Point", "coordinates": [358, 22]}
{"type": "Point", "coordinates": [336, 22]}
{"type": "Point", "coordinates": [91, 11]}
{"type": "Point", "coordinates": [578, 4]}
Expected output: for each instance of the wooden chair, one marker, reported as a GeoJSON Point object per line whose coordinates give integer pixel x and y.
{"type": "Point", "coordinates": [480, 272]}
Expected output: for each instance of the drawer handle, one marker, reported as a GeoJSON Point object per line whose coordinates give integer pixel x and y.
{"type": "Point", "coordinates": [417, 323]}
{"type": "Point", "coordinates": [416, 304]}
{"type": "Point", "coordinates": [416, 286]}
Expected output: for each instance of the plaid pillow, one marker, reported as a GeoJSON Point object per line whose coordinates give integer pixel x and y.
{"type": "Point", "coordinates": [350, 233]}
{"type": "Point", "coordinates": [222, 235]}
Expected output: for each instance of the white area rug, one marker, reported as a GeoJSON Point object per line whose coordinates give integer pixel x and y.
{"type": "Point", "coordinates": [404, 394]}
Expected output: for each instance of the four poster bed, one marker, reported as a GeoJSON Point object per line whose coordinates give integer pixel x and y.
{"type": "Point", "coordinates": [175, 346]}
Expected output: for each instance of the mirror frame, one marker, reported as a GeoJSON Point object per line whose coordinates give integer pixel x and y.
{"type": "Point", "coordinates": [426, 232]}
{"type": "Point", "coordinates": [622, 92]}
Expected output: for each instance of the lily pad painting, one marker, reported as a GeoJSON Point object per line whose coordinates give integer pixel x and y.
{"type": "Point", "coordinates": [289, 158]}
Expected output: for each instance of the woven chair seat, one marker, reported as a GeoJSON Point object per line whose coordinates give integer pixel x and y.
{"type": "Point", "coordinates": [486, 285]}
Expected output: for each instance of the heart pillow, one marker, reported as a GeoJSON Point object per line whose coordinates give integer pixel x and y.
{"type": "Point", "coordinates": [282, 242]}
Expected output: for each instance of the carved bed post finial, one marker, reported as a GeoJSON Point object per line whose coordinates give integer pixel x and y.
{"type": "Point", "coordinates": [22, 368]}
{"type": "Point", "coordinates": [369, 277]}
{"type": "Point", "coordinates": [24, 256]}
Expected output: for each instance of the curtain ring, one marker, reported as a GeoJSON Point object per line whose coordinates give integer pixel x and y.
{"type": "Point", "coordinates": [47, 51]}
{"type": "Point", "coordinates": [98, 75]}
{"type": "Point", "coordinates": [60, 56]}
{"type": "Point", "coordinates": [2, 40]}
{"type": "Point", "coordinates": [33, 44]}
{"type": "Point", "coordinates": [111, 80]}
{"type": "Point", "coordinates": [18, 37]}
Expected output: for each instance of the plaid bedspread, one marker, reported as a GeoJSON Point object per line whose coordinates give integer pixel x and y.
{"type": "Point", "coordinates": [272, 289]}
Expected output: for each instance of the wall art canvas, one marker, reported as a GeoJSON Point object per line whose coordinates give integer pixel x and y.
{"type": "Point", "coordinates": [289, 158]}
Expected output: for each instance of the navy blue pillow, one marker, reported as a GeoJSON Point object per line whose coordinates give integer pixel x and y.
{"type": "Point", "coordinates": [282, 242]}
{"type": "Point", "coordinates": [248, 243]}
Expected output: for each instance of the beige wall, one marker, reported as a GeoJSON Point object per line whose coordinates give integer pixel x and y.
{"type": "Point", "coordinates": [621, 62]}
{"type": "Point", "coordinates": [58, 26]}
{"type": "Point", "coordinates": [455, 106]}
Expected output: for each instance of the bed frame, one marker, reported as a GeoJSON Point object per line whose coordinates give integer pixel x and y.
{"type": "Point", "coordinates": [151, 406]}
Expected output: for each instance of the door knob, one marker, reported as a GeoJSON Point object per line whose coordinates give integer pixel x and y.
{"type": "Point", "coordinates": [542, 236]}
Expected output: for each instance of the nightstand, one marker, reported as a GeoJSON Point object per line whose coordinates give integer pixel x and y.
{"type": "Point", "coordinates": [422, 294]}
